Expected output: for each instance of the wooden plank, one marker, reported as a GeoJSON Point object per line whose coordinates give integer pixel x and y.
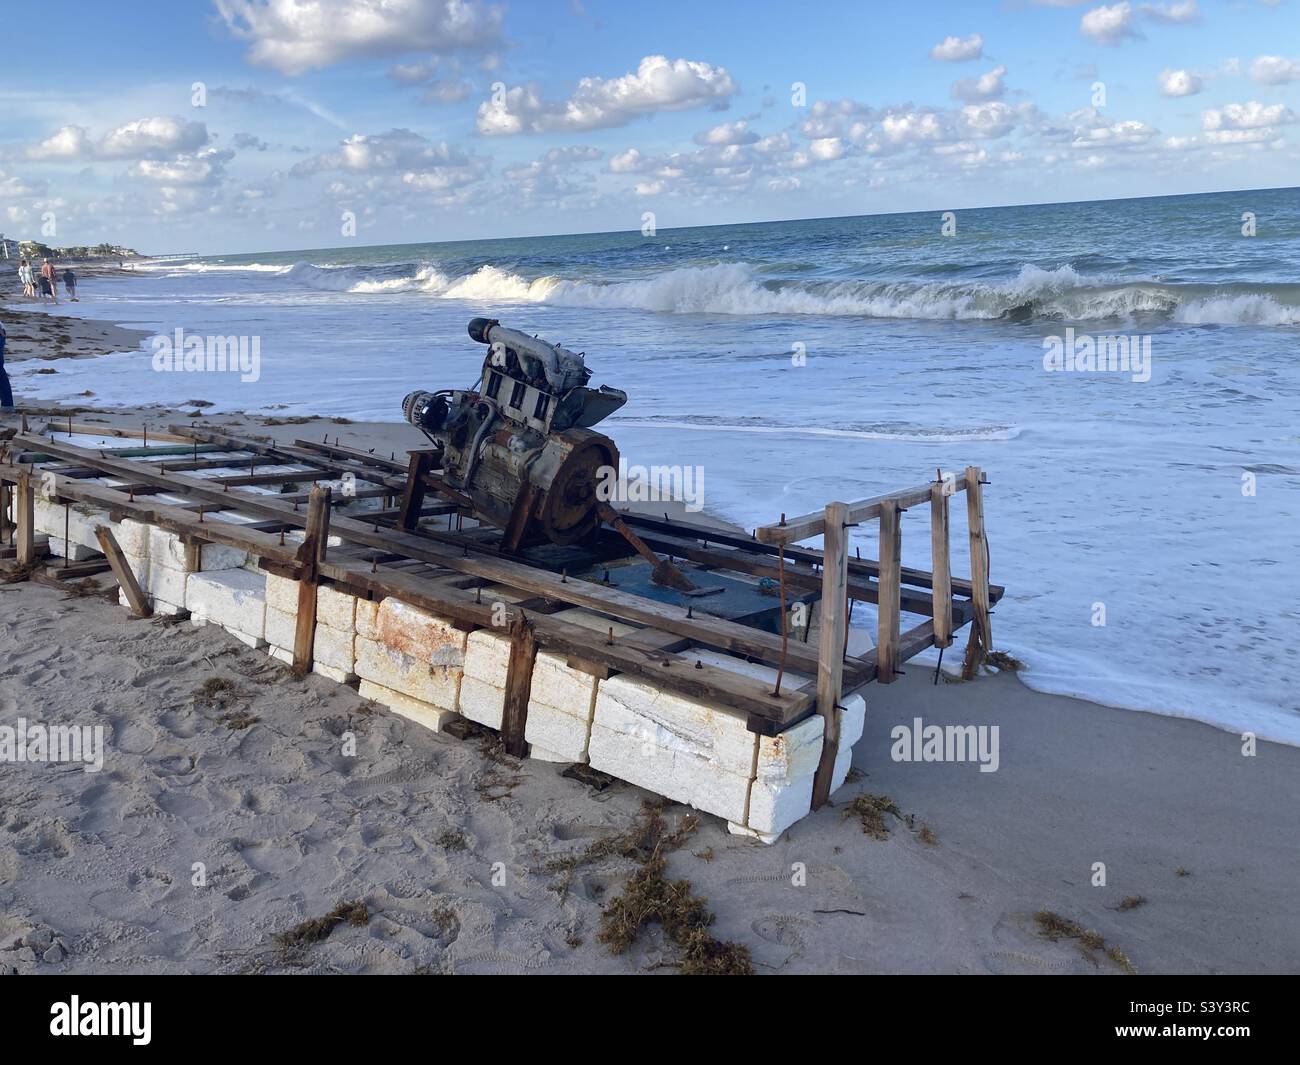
{"type": "Point", "coordinates": [413, 494]}
{"type": "Point", "coordinates": [673, 672]}
{"type": "Point", "coordinates": [941, 561]}
{"type": "Point", "coordinates": [311, 554]}
{"type": "Point", "coordinates": [834, 629]}
{"type": "Point", "coordinates": [122, 571]}
{"type": "Point", "coordinates": [87, 429]}
{"type": "Point", "coordinates": [342, 451]}
{"type": "Point", "coordinates": [806, 525]}
{"type": "Point", "coordinates": [25, 518]}
{"type": "Point", "coordinates": [887, 631]}
{"type": "Point", "coordinates": [519, 683]}
{"type": "Point", "coordinates": [981, 635]}
{"type": "Point", "coordinates": [173, 518]}
{"type": "Point", "coordinates": [5, 522]}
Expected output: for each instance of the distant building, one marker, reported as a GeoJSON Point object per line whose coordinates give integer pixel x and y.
{"type": "Point", "coordinates": [9, 249]}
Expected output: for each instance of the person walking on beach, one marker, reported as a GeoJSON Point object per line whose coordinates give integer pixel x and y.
{"type": "Point", "coordinates": [49, 281]}
{"type": "Point", "coordinates": [28, 278]}
{"type": "Point", "coordinates": [6, 393]}
{"type": "Point", "coordinates": [70, 283]}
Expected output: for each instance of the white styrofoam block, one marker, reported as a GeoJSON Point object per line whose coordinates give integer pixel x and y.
{"type": "Point", "coordinates": [338, 676]}
{"type": "Point", "coordinates": [81, 519]}
{"type": "Point", "coordinates": [563, 734]}
{"type": "Point", "coordinates": [543, 755]}
{"type": "Point", "coordinates": [166, 584]}
{"type": "Point", "coordinates": [167, 549]}
{"type": "Point", "coordinates": [484, 703]}
{"type": "Point", "coordinates": [674, 722]}
{"type": "Point", "coordinates": [852, 721]}
{"type": "Point", "coordinates": [843, 763]}
{"type": "Point", "coordinates": [390, 668]}
{"type": "Point", "coordinates": [783, 780]}
{"type": "Point", "coordinates": [487, 657]}
{"type": "Point", "coordinates": [255, 642]}
{"type": "Point", "coordinates": [280, 628]}
{"type": "Point", "coordinates": [557, 684]}
{"type": "Point", "coordinates": [132, 537]}
{"type": "Point", "coordinates": [73, 550]}
{"type": "Point", "coordinates": [420, 634]}
{"type": "Point", "coordinates": [232, 598]}
{"type": "Point", "coordinates": [368, 618]}
{"type": "Point", "coordinates": [674, 772]}
{"type": "Point", "coordinates": [335, 648]}
{"type": "Point", "coordinates": [282, 594]}
{"type": "Point", "coordinates": [422, 713]}
{"type": "Point", "coordinates": [336, 609]}
{"type": "Point", "coordinates": [281, 654]}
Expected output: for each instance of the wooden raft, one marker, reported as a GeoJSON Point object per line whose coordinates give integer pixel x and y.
{"type": "Point", "coordinates": [416, 547]}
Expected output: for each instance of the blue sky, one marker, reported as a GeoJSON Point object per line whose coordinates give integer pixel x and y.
{"type": "Point", "coordinates": [451, 119]}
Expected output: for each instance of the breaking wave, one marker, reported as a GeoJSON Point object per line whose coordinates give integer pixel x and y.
{"type": "Point", "coordinates": [739, 289]}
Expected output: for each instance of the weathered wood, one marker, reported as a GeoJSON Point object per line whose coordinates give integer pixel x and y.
{"type": "Point", "coordinates": [86, 429]}
{"type": "Point", "coordinates": [456, 553]}
{"type": "Point", "coordinates": [25, 519]}
{"type": "Point", "coordinates": [806, 525]}
{"type": "Point", "coordinates": [311, 554]}
{"type": "Point", "coordinates": [634, 654]}
{"type": "Point", "coordinates": [413, 495]}
{"type": "Point", "coordinates": [941, 565]}
{"type": "Point", "coordinates": [887, 628]}
{"type": "Point", "coordinates": [5, 522]}
{"type": "Point", "coordinates": [342, 451]}
{"type": "Point", "coordinates": [519, 683]}
{"type": "Point", "coordinates": [981, 634]}
{"type": "Point", "coordinates": [122, 571]}
{"type": "Point", "coordinates": [834, 628]}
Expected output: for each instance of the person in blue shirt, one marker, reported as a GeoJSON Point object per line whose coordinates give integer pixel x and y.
{"type": "Point", "coordinates": [6, 393]}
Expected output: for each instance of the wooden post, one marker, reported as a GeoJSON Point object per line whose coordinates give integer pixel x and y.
{"type": "Point", "coordinates": [830, 652]}
{"type": "Point", "coordinates": [519, 683]}
{"type": "Point", "coordinates": [311, 554]}
{"type": "Point", "coordinates": [941, 565]}
{"type": "Point", "coordinates": [122, 571]}
{"type": "Point", "coordinates": [981, 634]}
{"type": "Point", "coordinates": [5, 496]}
{"type": "Point", "coordinates": [413, 496]}
{"type": "Point", "coordinates": [890, 589]}
{"type": "Point", "coordinates": [25, 518]}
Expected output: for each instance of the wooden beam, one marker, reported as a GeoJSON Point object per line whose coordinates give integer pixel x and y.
{"type": "Point", "coordinates": [941, 563]}
{"type": "Point", "coordinates": [5, 521]}
{"type": "Point", "coordinates": [806, 525]}
{"type": "Point", "coordinates": [122, 571]}
{"type": "Point", "coordinates": [311, 554]}
{"type": "Point", "coordinates": [413, 495]}
{"type": "Point", "coordinates": [519, 683]}
{"type": "Point", "coordinates": [981, 634]}
{"type": "Point", "coordinates": [887, 629]}
{"type": "Point", "coordinates": [830, 654]}
{"type": "Point", "coordinates": [25, 518]}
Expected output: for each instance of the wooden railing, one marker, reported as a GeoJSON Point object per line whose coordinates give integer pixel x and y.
{"type": "Point", "coordinates": [892, 648]}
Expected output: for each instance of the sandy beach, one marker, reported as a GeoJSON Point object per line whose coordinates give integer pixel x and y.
{"type": "Point", "coordinates": [225, 816]}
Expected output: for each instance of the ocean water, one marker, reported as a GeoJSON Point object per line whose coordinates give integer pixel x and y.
{"type": "Point", "coordinates": [1168, 499]}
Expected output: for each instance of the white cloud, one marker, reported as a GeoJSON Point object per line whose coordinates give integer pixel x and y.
{"type": "Point", "coordinates": [1250, 115]}
{"type": "Point", "coordinates": [987, 86]}
{"type": "Point", "coordinates": [294, 36]}
{"type": "Point", "coordinates": [659, 84]}
{"type": "Point", "coordinates": [1179, 82]}
{"type": "Point", "coordinates": [144, 138]}
{"type": "Point", "coordinates": [954, 49]}
{"type": "Point", "coordinates": [1178, 14]}
{"type": "Point", "coordinates": [202, 168]}
{"type": "Point", "coordinates": [1108, 24]}
{"type": "Point", "coordinates": [1274, 70]}
{"type": "Point", "coordinates": [737, 132]}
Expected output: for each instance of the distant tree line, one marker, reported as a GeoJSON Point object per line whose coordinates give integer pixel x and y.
{"type": "Point", "coordinates": [34, 249]}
